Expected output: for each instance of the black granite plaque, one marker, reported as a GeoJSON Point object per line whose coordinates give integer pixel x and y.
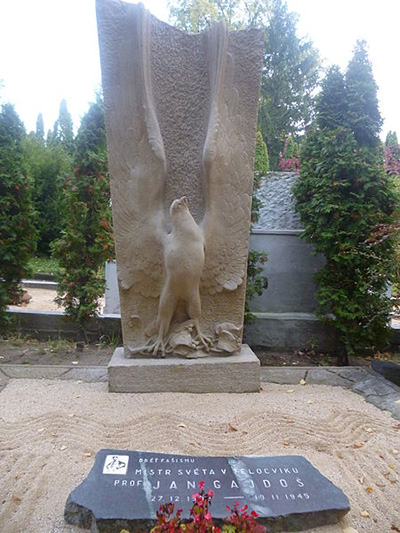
{"type": "Point", "coordinates": [125, 489]}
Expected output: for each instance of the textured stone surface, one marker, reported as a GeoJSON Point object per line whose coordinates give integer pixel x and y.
{"type": "Point", "coordinates": [181, 114]}
{"type": "Point", "coordinates": [283, 376]}
{"type": "Point", "coordinates": [322, 376]}
{"type": "Point", "coordinates": [289, 331]}
{"type": "Point", "coordinates": [290, 269]}
{"type": "Point", "coordinates": [46, 325]}
{"type": "Point", "coordinates": [125, 489]}
{"type": "Point", "coordinates": [89, 374]}
{"type": "Point", "coordinates": [277, 211]}
{"type": "Point", "coordinates": [111, 296]}
{"type": "Point", "coordinates": [387, 369]}
{"type": "Point", "coordinates": [235, 373]}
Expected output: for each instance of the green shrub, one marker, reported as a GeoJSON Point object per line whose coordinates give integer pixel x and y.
{"type": "Point", "coordinates": [261, 160]}
{"type": "Point", "coordinates": [345, 198]}
{"type": "Point", "coordinates": [17, 230]}
{"type": "Point", "coordinates": [86, 241]}
{"type": "Point", "coordinates": [48, 166]}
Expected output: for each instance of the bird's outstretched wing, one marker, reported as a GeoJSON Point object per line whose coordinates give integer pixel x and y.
{"type": "Point", "coordinates": [226, 170]}
{"type": "Point", "coordinates": [137, 159]}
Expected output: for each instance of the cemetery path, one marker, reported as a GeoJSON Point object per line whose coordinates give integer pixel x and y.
{"type": "Point", "coordinates": [50, 432]}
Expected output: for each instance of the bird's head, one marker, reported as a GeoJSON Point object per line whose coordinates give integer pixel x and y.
{"type": "Point", "coordinates": [178, 205]}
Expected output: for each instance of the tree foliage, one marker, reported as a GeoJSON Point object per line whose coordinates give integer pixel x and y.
{"type": "Point", "coordinates": [261, 160]}
{"type": "Point", "coordinates": [40, 126]}
{"type": "Point", "coordinates": [48, 164]}
{"type": "Point", "coordinates": [290, 77]}
{"type": "Point", "coordinates": [17, 230]}
{"type": "Point", "coordinates": [391, 139]}
{"type": "Point", "coordinates": [194, 16]}
{"type": "Point", "coordinates": [363, 116]}
{"type": "Point", "coordinates": [344, 196]}
{"type": "Point", "coordinates": [86, 241]}
{"type": "Point", "coordinates": [392, 155]}
{"type": "Point", "coordinates": [289, 159]}
{"type": "Point", "coordinates": [63, 131]}
{"type": "Point", "coordinates": [291, 65]}
{"type": "Point", "coordinates": [257, 282]}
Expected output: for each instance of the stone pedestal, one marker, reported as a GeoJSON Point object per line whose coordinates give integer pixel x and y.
{"type": "Point", "coordinates": [234, 373]}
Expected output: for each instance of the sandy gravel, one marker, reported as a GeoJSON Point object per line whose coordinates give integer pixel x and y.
{"type": "Point", "coordinates": [48, 429]}
{"type": "Point", "coordinates": [43, 300]}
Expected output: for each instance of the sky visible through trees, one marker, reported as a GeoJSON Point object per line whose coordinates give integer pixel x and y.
{"type": "Point", "coordinates": [51, 51]}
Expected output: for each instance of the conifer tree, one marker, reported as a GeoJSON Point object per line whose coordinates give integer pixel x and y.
{"type": "Point", "coordinates": [47, 164]}
{"type": "Point", "coordinates": [86, 241]}
{"type": "Point", "coordinates": [63, 131]}
{"type": "Point", "coordinates": [289, 79]}
{"type": "Point", "coordinates": [17, 233]}
{"type": "Point", "coordinates": [345, 198]}
{"type": "Point", "coordinates": [332, 102]}
{"type": "Point", "coordinates": [291, 64]}
{"type": "Point", "coordinates": [391, 139]}
{"type": "Point", "coordinates": [363, 116]}
{"type": "Point", "coordinates": [40, 127]}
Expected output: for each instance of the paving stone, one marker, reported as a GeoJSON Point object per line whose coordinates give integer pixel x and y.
{"type": "Point", "coordinates": [324, 376]}
{"type": "Point", "coordinates": [283, 376]}
{"type": "Point", "coordinates": [3, 380]}
{"type": "Point", "coordinates": [34, 371]}
{"type": "Point", "coordinates": [387, 369]}
{"type": "Point", "coordinates": [373, 386]}
{"type": "Point", "coordinates": [354, 374]}
{"type": "Point", "coordinates": [88, 374]}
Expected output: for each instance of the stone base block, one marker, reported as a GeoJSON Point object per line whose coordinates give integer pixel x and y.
{"type": "Point", "coordinates": [234, 373]}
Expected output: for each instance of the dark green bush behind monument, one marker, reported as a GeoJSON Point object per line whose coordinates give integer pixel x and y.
{"type": "Point", "coordinates": [344, 198]}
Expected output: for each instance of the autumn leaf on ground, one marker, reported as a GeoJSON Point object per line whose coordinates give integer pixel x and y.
{"type": "Point", "coordinates": [364, 514]}
{"type": "Point", "coordinates": [358, 445]}
{"type": "Point", "coordinates": [394, 528]}
{"type": "Point", "coordinates": [369, 490]}
{"type": "Point", "coordinates": [231, 427]}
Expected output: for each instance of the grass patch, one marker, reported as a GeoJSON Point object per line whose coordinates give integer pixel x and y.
{"type": "Point", "coordinates": [44, 265]}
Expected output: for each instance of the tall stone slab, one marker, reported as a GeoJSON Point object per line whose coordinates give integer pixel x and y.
{"type": "Point", "coordinates": [181, 114]}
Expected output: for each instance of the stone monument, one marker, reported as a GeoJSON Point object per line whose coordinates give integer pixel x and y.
{"type": "Point", "coordinates": [181, 114]}
{"type": "Point", "coordinates": [125, 489]}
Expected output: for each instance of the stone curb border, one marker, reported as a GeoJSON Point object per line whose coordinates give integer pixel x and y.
{"type": "Point", "coordinates": [371, 385]}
